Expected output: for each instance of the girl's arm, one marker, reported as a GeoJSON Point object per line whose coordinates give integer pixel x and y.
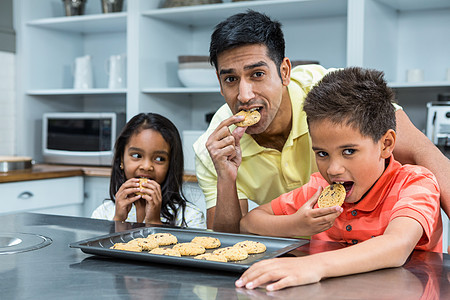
{"type": "Point", "coordinates": [388, 250]}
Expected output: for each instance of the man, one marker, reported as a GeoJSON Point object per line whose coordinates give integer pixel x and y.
{"type": "Point", "coordinates": [274, 156]}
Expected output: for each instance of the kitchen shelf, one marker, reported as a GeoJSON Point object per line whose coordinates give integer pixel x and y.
{"type": "Point", "coordinates": [425, 84]}
{"type": "Point", "coordinates": [279, 9]}
{"type": "Point", "coordinates": [84, 24]}
{"type": "Point", "coordinates": [389, 35]}
{"type": "Point", "coordinates": [181, 90]}
{"type": "Point", "coordinates": [51, 92]}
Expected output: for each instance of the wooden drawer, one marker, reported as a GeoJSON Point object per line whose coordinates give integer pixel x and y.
{"type": "Point", "coordinates": [39, 194]}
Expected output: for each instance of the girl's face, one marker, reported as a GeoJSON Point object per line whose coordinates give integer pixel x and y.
{"type": "Point", "coordinates": [146, 155]}
{"type": "Point", "coordinates": [344, 155]}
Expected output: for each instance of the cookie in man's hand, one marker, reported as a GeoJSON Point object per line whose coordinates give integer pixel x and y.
{"type": "Point", "coordinates": [332, 195]}
{"type": "Point", "coordinates": [251, 117]}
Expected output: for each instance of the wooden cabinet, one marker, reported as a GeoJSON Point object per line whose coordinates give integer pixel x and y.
{"type": "Point", "coordinates": [60, 195]}
{"type": "Point", "coordinates": [392, 36]}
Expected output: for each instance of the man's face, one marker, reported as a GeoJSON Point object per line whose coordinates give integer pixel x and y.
{"type": "Point", "coordinates": [249, 79]}
{"type": "Point", "coordinates": [344, 155]}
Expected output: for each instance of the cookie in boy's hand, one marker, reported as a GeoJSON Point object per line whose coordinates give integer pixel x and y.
{"type": "Point", "coordinates": [141, 181]}
{"type": "Point", "coordinates": [332, 195]}
{"type": "Point", "coordinates": [251, 117]}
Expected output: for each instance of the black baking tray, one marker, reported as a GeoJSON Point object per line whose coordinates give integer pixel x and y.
{"type": "Point", "coordinates": [101, 246]}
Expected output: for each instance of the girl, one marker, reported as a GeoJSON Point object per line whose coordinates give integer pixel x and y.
{"type": "Point", "coordinates": [149, 147]}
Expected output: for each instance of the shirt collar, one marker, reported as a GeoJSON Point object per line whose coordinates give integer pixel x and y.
{"type": "Point", "coordinates": [376, 194]}
{"type": "Point", "coordinates": [299, 125]}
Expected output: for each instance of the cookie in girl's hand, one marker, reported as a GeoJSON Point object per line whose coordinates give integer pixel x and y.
{"type": "Point", "coordinates": [141, 181]}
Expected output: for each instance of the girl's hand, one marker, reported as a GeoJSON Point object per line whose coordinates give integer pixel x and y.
{"type": "Point", "coordinates": [315, 220]}
{"type": "Point", "coordinates": [125, 197]}
{"type": "Point", "coordinates": [153, 200]}
{"type": "Point", "coordinates": [280, 273]}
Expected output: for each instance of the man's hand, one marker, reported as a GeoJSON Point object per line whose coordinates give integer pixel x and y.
{"type": "Point", "coordinates": [224, 148]}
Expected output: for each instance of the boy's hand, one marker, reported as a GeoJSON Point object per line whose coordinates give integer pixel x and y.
{"type": "Point", "coordinates": [315, 220]}
{"type": "Point", "coordinates": [280, 273]}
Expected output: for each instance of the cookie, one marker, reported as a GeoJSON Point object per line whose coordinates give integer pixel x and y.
{"type": "Point", "coordinates": [145, 243]}
{"type": "Point", "coordinates": [126, 247]}
{"type": "Point", "coordinates": [232, 253]}
{"type": "Point", "coordinates": [165, 251]}
{"type": "Point", "coordinates": [332, 195]}
{"type": "Point", "coordinates": [141, 181]}
{"type": "Point", "coordinates": [207, 242]}
{"type": "Point", "coordinates": [251, 247]}
{"type": "Point", "coordinates": [212, 257]}
{"type": "Point", "coordinates": [251, 118]}
{"type": "Point", "coordinates": [189, 249]}
{"type": "Point", "coordinates": [163, 239]}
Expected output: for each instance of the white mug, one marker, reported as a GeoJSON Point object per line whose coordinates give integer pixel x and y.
{"type": "Point", "coordinates": [116, 71]}
{"type": "Point", "coordinates": [414, 75]}
{"type": "Point", "coordinates": [83, 73]}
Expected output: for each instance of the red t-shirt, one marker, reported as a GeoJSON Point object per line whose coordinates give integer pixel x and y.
{"type": "Point", "coordinates": [402, 191]}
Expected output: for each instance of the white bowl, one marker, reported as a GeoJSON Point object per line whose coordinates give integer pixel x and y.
{"type": "Point", "coordinates": [198, 77]}
{"type": "Point", "coordinates": [196, 71]}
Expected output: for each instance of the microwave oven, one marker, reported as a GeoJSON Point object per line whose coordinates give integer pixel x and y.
{"type": "Point", "coordinates": [80, 138]}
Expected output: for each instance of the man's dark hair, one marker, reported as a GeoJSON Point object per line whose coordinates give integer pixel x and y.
{"type": "Point", "coordinates": [248, 28]}
{"type": "Point", "coordinates": [353, 96]}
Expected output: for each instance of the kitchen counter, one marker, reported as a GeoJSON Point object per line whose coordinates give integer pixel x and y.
{"type": "Point", "coordinates": [59, 272]}
{"type": "Point", "coordinates": [46, 171]}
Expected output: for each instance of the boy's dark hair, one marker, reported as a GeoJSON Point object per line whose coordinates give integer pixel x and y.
{"type": "Point", "coordinates": [353, 96]}
{"type": "Point", "coordinates": [248, 28]}
{"type": "Point", "coordinates": [172, 195]}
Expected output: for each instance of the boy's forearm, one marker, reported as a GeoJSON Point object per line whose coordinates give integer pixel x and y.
{"type": "Point", "coordinates": [385, 251]}
{"type": "Point", "coordinates": [262, 221]}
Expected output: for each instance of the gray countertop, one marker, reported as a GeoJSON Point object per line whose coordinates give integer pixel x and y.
{"type": "Point", "coordinates": [59, 272]}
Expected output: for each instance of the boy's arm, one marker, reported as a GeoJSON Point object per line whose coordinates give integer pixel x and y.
{"type": "Point", "coordinates": [388, 250]}
{"type": "Point", "coordinates": [305, 222]}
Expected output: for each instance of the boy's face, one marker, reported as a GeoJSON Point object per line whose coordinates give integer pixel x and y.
{"type": "Point", "coordinates": [147, 154]}
{"type": "Point", "coordinates": [250, 79]}
{"type": "Point", "coordinates": [344, 155]}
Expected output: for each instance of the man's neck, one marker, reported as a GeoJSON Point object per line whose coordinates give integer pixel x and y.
{"type": "Point", "coordinates": [278, 132]}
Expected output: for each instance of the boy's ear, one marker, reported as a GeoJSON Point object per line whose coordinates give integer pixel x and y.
{"type": "Point", "coordinates": [388, 143]}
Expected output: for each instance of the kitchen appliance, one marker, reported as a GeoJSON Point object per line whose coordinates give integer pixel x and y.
{"type": "Point", "coordinates": [438, 123]}
{"type": "Point", "coordinates": [80, 138]}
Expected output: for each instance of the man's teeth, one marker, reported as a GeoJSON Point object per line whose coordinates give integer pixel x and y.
{"type": "Point", "coordinates": [339, 182]}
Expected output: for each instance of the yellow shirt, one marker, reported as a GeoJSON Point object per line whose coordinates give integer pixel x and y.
{"type": "Point", "coordinates": [266, 173]}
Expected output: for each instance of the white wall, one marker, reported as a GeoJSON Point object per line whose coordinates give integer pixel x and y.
{"type": "Point", "coordinates": [7, 107]}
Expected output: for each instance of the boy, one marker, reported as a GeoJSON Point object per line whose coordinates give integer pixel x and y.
{"type": "Point", "coordinates": [389, 209]}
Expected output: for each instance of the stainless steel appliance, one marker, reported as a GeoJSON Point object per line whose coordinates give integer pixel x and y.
{"type": "Point", "coordinates": [80, 138]}
{"type": "Point", "coordinates": [438, 123]}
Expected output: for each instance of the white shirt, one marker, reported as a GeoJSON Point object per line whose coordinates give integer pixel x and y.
{"type": "Point", "coordinates": [194, 217]}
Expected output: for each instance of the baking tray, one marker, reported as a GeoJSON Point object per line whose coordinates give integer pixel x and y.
{"type": "Point", "coordinates": [101, 246]}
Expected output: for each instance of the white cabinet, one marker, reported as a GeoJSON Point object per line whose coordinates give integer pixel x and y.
{"type": "Point", "coordinates": [393, 36]}
{"type": "Point", "coordinates": [54, 196]}
{"type": "Point", "coordinates": [96, 190]}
